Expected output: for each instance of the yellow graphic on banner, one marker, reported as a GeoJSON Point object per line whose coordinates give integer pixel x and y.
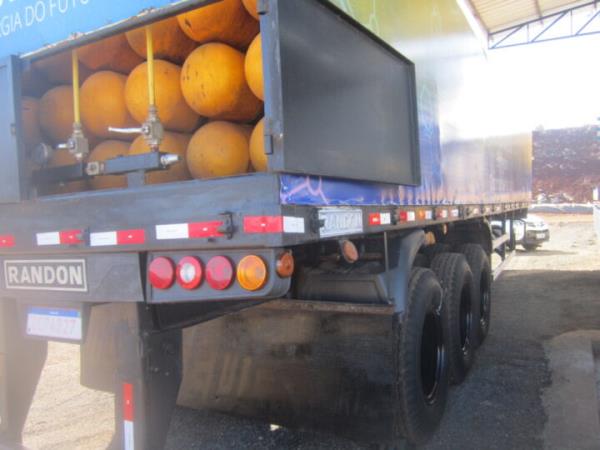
{"type": "Point", "coordinates": [397, 20]}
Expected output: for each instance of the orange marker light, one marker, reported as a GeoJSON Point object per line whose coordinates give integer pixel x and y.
{"type": "Point", "coordinates": [285, 265]}
{"type": "Point", "coordinates": [252, 273]}
{"type": "Point", "coordinates": [349, 251]}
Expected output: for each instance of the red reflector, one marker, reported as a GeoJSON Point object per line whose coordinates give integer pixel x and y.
{"type": "Point", "coordinates": [128, 406]}
{"type": "Point", "coordinates": [204, 229]}
{"type": "Point", "coordinates": [131, 237]}
{"type": "Point", "coordinates": [374, 219]}
{"type": "Point", "coordinates": [263, 224]}
{"type": "Point", "coordinates": [161, 273]}
{"type": "Point", "coordinates": [71, 237]}
{"type": "Point", "coordinates": [189, 272]}
{"type": "Point", "coordinates": [7, 240]}
{"type": "Point", "coordinates": [219, 273]}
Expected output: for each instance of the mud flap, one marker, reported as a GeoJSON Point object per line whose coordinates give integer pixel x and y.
{"type": "Point", "coordinates": [289, 364]}
{"type": "Point", "coordinates": [21, 363]}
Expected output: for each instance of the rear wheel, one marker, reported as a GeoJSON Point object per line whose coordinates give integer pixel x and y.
{"type": "Point", "coordinates": [459, 310]}
{"type": "Point", "coordinates": [421, 365]}
{"type": "Point", "coordinates": [479, 263]}
{"type": "Point", "coordinates": [530, 247]}
{"type": "Point", "coordinates": [431, 251]}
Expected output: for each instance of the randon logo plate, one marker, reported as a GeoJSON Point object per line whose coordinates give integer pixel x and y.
{"type": "Point", "coordinates": [67, 275]}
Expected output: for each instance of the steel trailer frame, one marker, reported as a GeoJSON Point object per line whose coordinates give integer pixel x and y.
{"type": "Point", "coordinates": [147, 325]}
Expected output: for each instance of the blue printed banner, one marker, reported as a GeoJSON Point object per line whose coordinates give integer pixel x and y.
{"type": "Point", "coordinates": [29, 25]}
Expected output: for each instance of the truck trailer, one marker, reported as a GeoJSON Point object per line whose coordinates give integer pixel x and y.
{"type": "Point", "coordinates": [344, 288]}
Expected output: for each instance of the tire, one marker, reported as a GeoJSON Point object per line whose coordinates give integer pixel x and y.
{"type": "Point", "coordinates": [479, 262]}
{"type": "Point", "coordinates": [497, 231]}
{"type": "Point", "coordinates": [422, 377]}
{"type": "Point", "coordinates": [421, 260]}
{"type": "Point", "coordinates": [456, 279]}
{"type": "Point", "coordinates": [530, 247]}
{"type": "Point", "coordinates": [431, 251]}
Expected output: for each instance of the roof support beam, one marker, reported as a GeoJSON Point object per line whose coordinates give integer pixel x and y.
{"type": "Point", "coordinates": [539, 30]}
{"type": "Point", "coordinates": [538, 10]}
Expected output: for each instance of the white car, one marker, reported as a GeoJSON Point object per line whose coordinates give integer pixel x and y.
{"type": "Point", "coordinates": [530, 232]}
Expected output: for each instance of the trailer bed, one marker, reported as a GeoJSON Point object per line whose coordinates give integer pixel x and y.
{"type": "Point", "coordinates": [248, 211]}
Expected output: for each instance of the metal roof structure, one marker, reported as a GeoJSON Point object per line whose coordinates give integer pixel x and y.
{"type": "Point", "coordinates": [518, 22]}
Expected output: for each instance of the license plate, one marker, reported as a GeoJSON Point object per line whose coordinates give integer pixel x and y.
{"type": "Point", "coordinates": [54, 323]}
{"type": "Point", "coordinates": [340, 221]}
{"type": "Point", "coordinates": [540, 235]}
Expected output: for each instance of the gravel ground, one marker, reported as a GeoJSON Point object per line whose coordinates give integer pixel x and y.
{"type": "Point", "coordinates": [541, 295]}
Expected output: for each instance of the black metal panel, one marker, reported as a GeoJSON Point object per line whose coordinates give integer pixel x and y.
{"type": "Point", "coordinates": [364, 282]}
{"type": "Point", "coordinates": [339, 101]}
{"type": "Point", "coordinates": [112, 277]}
{"type": "Point", "coordinates": [300, 368]}
{"type": "Point", "coordinates": [12, 182]}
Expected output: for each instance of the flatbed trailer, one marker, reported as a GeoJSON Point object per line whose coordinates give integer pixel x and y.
{"type": "Point", "coordinates": [381, 186]}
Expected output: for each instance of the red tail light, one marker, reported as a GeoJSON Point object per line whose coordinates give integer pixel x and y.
{"type": "Point", "coordinates": [161, 273]}
{"type": "Point", "coordinates": [189, 272]}
{"type": "Point", "coordinates": [219, 273]}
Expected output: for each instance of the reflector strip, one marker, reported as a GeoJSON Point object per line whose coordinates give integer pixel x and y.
{"type": "Point", "coordinates": [103, 239]}
{"type": "Point", "coordinates": [374, 219]}
{"type": "Point", "coordinates": [195, 230]}
{"type": "Point", "coordinates": [66, 237]}
{"type": "Point", "coordinates": [128, 406]}
{"type": "Point", "coordinates": [407, 216]}
{"type": "Point", "coordinates": [378, 219]}
{"type": "Point", "coordinates": [44, 239]}
{"type": "Point", "coordinates": [122, 237]}
{"type": "Point", "coordinates": [128, 417]}
{"type": "Point", "coordinates": [131, 237]}
{"type": "Point", "coordinates": [71, 237]}
{"type": "Point", "coordinates": [263, 224]}
{"type": "Point", "coordinates": [172, 231]}
{"type": "Point", "coordinates": [7, 240]}
{"type": "Point", "coordinates": [128, 435]}
{"type": "Point", "coordinates": [293, 224]}
{"type": "Point", "coordinates": [205, 229]}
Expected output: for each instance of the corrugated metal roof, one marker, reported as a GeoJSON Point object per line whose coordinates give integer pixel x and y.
{"type": "Point", "coordinates": [496, 15]}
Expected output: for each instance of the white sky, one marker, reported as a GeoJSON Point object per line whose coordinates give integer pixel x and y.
{"type": "Point", "coordinates": [554, 84]}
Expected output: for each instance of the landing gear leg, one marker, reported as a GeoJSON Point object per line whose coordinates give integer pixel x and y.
{"type": "Point", "coordinates": [149, 371]}
{"type": "Point", "coordinates": [21, 363]}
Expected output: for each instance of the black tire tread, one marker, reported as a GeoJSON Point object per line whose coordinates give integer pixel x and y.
{"type": "Point", "coordinates": [451, 269]}
{"type": "Point", "coordinates": [479, 261]}
{"type": "Point", "coordinates": [530, 247]}
{"type": "Point", "coordinates": [431, 251]}
{"type": "Point", "coordinates": [415, 423]}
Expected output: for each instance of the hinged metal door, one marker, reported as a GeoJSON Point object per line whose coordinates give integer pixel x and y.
{"type": "Point", "coordinates": [13, 185]}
